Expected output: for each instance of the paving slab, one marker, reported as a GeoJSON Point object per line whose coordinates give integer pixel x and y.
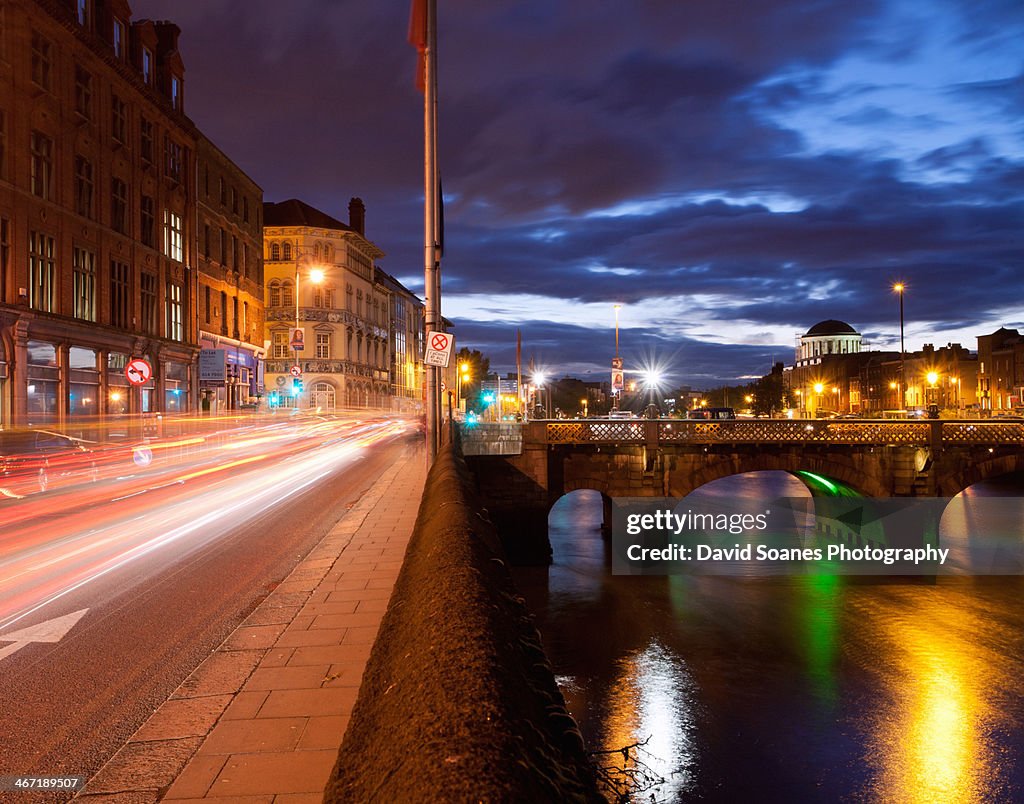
{"type": "Point", "coordinates": [261, 720]}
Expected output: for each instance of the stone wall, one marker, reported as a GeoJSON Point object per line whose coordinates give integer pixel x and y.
{"type": "Point", "coordinates": [458, 702]}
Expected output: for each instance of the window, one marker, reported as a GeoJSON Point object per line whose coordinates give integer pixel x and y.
{"type": "Point", "coordinates": [287, 299]}
{"type": "Point", "coordinates": [119, 299]}
{"type": "Point", "coordinates": [223, 247]}
{"type": "Point", "coordinates": [146, 139]}
{"type": "Point", "coordinates": [275, 294]}
{"type": "Point", "coordinates": [318, 297]}
{"type": "Point", "coordinates": [234, 315]}
{"type": "Point", "coordinates": [234, 200]}
{"type": "Point", "coordinates": [206, 303]}
{"type": "Point", "coordinates": [206, 240]}
{"type": "Point", "coordinates": [245, 209]}
{"type": "Point", "coordinates": [5, 254]}
{"type": "Point", "coordinates": [149, 303]}
{"type": "Point", "coordinates": [83, 186]}
{"type": "Point", "coordinates": [83, 92]}
{"type": "Point", "coordinates": [234, 252]}
{"type": "Point", "coordinates": [223, 313]}
{"type": "Point", "coordinates": [245, 318]}
{"type": "Point", "coordinates": [147, 221]}
{"type": "Point", "coordinates": [329, 297]}
{"type": "Point", "coordinates": [173, 159]}
{"type": "Point", "coordinates": [84, 17]}
{"type": "Point", "coordinates": [42, 61]}
{"type": "Point", "coordinates": [286, 251]}
{"type": "Point", "coordinates": [223, 191]}
{"type": "Point", "coordinates": [323, 345]}
{"type": "Point", "coordinates": [3, 144]}
{"type": "Point", "coordinates": [245, 259]}
{"type": "Point", "coordinates": [84, 264]}
{"type": "Point", "coordinates": [118, 120]}
{"type": "Point", "coordinates": [280, 339]}
{"type": "Point", "coordinates": [119, 206]}
{"type": "Point", "coordinates": [173, 238]}
{"type": "Point", "coordinates": [119, 38]}
{"type": "Point", "coordinates": [147, 65]}
{"type": "Point", "coordinates": [42, 272]}
{"type": "Point", "coordinates": [176, 93]}
{"type": "Point", "coordinates": [175, 318]}
{"type": "Point", "coordinates": [275, 251]}
{"type": "Point", "coordinates": [42, 165]}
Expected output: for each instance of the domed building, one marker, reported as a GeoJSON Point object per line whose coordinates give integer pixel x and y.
{"type": "Point", "coordinates": [827, 339]}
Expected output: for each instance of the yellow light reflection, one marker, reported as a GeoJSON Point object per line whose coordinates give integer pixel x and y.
{"type": "Point", "coordinates": [932, 744]}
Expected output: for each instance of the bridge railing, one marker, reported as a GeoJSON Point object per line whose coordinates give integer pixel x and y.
{"type": "Point", "coordinates": [760, 431]}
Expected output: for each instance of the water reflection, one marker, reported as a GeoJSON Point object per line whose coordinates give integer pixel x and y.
{"type": "Point", "coordinates": [813, 688]}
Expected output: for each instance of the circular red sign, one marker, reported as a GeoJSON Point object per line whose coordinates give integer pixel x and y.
{"type": "Point", "coordinates": [138, 371]}
{"type": "Point", "coordinates": [439, 342]}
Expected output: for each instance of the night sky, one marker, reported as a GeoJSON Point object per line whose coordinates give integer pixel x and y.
{"type": "Point", "coordinates": [730, 172]}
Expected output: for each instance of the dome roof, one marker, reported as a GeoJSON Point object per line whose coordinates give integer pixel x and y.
{"type": "Point", "coordinates": [831, 327]}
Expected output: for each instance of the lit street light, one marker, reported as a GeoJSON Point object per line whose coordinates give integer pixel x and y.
{"type": "Point", "coordinates": [899, 287]}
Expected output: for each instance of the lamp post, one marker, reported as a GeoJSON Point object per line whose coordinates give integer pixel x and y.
{"type": "Point", "coordinates": [818, 388]}
{"type": "Point", "coordinates": [899, 287]}
{"type": "Point", "coordinates": [316, 276]}
{"type": "Point", "coordinates": [585, 404]}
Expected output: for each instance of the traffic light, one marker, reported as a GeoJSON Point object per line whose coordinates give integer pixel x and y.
{"type": "Point", "coordinates": [297, 385]}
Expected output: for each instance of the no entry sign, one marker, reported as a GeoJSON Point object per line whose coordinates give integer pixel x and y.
{"type": "Point", "coordinates": [138, 371]}
{"type": "Point", "coordinates": [439, 348]}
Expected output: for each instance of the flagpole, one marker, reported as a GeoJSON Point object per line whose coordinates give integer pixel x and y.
{"type": "Point", "coordinates": [431, 283]}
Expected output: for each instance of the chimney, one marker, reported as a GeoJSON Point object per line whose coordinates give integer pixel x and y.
{"type": "Point", "coordinates": [357, 215]}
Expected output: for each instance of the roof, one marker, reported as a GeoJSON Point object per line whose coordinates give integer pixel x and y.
{"type": "Point", "coordinates": [298, 213]}
{"type": "Point", "coordinates": [831, 327]}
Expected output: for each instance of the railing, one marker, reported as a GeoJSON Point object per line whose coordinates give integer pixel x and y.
{"type": "Point", "coordinates": [778, 431]}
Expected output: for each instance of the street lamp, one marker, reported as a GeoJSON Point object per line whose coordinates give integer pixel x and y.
{"type": "Point", "coordinates": [461, 377]}
{"type": "Point", "coordinates": [316, 276]}
{"type": "Point", "coordinates": [899, 287]}
{"type": "Point", "coordinates": [585, 404]}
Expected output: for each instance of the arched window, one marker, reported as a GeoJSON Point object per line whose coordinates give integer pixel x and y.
{"type": "Point", "coordinates": [316, 252]}
{"type": "Point", "coordinates": [318, 297]}
{"type": "Point", "coordinates": [287, 298]}
{"type": "Point", "coordinates": [327, 252]}
{"type": "Point", "coordinates": [287, 251]}
{"type": "Point", "coordinates": [275, 293]}
{"type": "Point", "coordinates": [321, 395]}
{"type": "Point", "coordinates": [275, 251]}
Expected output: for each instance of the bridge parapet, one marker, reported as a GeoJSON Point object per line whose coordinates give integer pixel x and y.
{"type": "Point", "coordinates": [768, 431]}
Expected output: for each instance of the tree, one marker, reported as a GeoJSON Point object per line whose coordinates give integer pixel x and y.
{"type": "Point", "coordinates": [769, 393]}
{"type": "Point", "coordinates": [478, 365]}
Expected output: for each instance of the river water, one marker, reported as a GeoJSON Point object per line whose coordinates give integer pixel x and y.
{"type": "Point", "coordinates": [808, 688]}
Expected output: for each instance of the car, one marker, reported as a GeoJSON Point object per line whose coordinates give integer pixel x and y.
{"type": "Point", "coordinates": [620, 413]}
{"type": "Point", "coordinates": [34, 460]}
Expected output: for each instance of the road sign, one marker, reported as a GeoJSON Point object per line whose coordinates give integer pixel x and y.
{"type": "Point", "coordinates": [142, 456]}
{"type": "Point", "coordinates": [439, 349]}
{"type": "Point", "coordinates": [616, 362]}
{"type": "Point", "coordinates": [297, 338]}
{"type": "Point", "coordinates": [138, 371]}
{"type": "Point", "coordinates": [296, 371]}
{"type": "Point", "coordinates": [49, 631]}
{"type": "Point", "coordinates": [281, 380]}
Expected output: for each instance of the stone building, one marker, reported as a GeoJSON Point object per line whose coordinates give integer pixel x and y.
{"type": "Point", "coordinates": [1001, 371]}
{"type": "Point", "coordinates": [406, 350]}
{"type": "Point", "coordinates": [98, 213]}
{"type": "Point", "coordinates": [320, 280]}
{"type": "Point", "coordinates": [230, 301]}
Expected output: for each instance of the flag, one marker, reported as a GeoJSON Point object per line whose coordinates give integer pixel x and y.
{"type": "Point", "coordinates": [418, 39]}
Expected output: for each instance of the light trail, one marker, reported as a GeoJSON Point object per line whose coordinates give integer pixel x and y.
{"type": "Point", "coordinates": [55, 544]}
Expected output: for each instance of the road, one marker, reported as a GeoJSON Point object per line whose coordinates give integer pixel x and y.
{"type": "Point", "coordinates": [164, 564]}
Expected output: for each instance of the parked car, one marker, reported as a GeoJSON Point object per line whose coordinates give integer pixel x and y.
{"type": "Point", "coordinates": [34, 460]}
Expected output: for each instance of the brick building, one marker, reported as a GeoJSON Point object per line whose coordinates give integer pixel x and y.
{"type": "Point", "coordinates": [96, 185]}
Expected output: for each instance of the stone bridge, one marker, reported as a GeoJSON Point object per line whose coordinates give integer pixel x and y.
{"type": "Point", "coordinates": [522, 470]}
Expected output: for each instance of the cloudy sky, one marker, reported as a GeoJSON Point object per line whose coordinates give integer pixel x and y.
{"type": "Point", "coordinates": [729, 171]}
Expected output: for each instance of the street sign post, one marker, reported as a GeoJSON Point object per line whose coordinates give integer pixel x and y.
{"type": "Point", "coordinates": [439, 349]}
{"type": "Point", "coordinates": [296, 371]}
{"type": "Point", "coordinates": [138, 371]}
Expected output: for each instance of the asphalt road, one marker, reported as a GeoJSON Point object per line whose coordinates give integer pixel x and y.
{"type": "Point", "coordinates": [66, 707]}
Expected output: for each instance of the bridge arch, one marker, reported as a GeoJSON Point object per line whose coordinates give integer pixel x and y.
{"type": "Point", "coordinates": [715, 467]}
{"type": "Point", "coordinates": [952, 483]}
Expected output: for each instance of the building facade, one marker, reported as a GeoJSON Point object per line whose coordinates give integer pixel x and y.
{"type": "Point", "coordinates": [327, 310]}
{"type": "Point", "coordinates": [406, 346]}
{"type": "Point", "coordinates": [97, 188]}
{"type": "Point", "coordinates": [1001, 371]}
{"type": "Point", "coordinates": [230, 299]}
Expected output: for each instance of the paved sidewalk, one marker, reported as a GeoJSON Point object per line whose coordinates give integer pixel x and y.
{"type": "Point", "coordinates": [261, 720]}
